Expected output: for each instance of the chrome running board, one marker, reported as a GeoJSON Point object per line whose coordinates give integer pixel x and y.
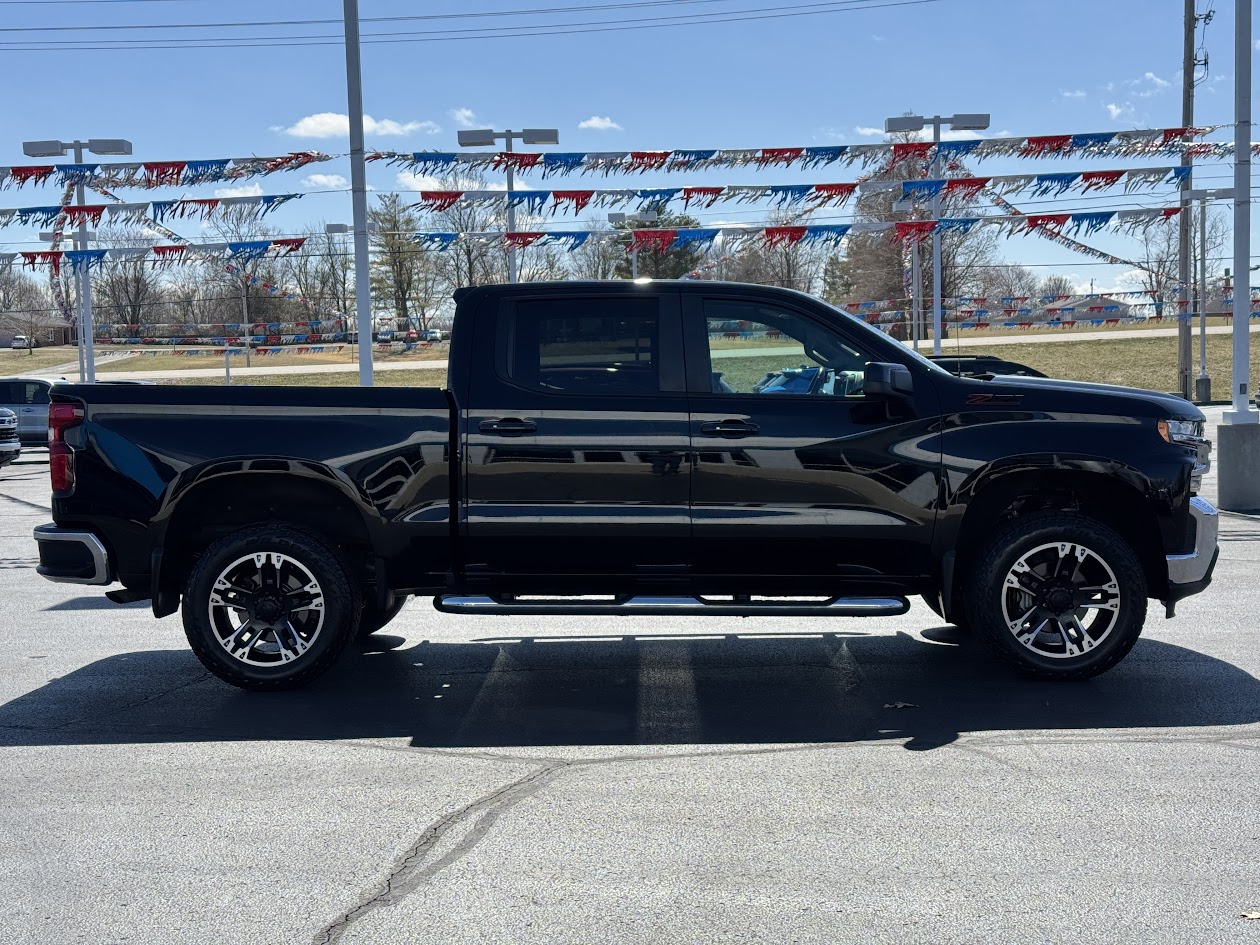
{"type": "Point", "coordinates": [674, 606]}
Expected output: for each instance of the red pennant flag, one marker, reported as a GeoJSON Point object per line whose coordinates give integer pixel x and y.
{"type": "Point", "coordinates": [1048, 221]}
{"type": "Point", "coordinates": [982, 324]}
{"type": "Point", "coordinates": [967, 186]}
{"type": "Point", "coordinates": [89, 214]}
{"type": "Point", "coordinates": [648, 160]}
{"type": "Point", "coordinates": [1175, 134]}
{"type": "Point", "coordinates": [1046, 144]}
{"type": "Point", "coordinates": [521, 240]}
{"type": "Point", "coordinates": [36, 175]}
{"type": "Point", "coordinates": [439, 199]}
{"type": "Point", "coordinates": [43, 257]}
{"type": "Point", "coordinates": [1097, 180]}
{"type": "Point", "coordinates": [828, 193]}
{"type": "Point", "coordinates": [784, 156]}
{"type": "Point", "coordinates": [168, 254]}
{"type": "Point", "coordinates": [1170, 212]}
{"type": "Point", "coordinates": [163, 173]}
{"type": "Point", "coordinates": [784, 234]}
{"type": "Point", "coordinates": [288, 245]}
{"type": "Point", "coordinates": [579, 198]}
{"type": "Point", "coordinates": [914, 230]}
{"type": "Point", "coordinates": [659, 240]}
{"type": "Point", "coordinates": [703, 196]}
{"type": "Point", "coordinates": [517, 160]}
{"type": "Point", "coordinates": [911, 149]}
{"type": "Point", "coordinates": [192, 208]}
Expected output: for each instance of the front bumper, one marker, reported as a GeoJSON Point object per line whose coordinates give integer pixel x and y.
{"type": "Point", "coordinates": [9, 451]}
{"type": "Point", "coordinates": [68, 556]}
{"type": "Point", "coordinates": [1191, 573]}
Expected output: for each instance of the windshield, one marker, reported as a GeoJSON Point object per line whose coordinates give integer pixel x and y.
{"type": "Point", "coordinates": [885, 340]}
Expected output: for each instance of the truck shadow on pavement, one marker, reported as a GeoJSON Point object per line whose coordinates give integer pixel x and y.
{"type": "Point", "coordinates": [634, 690]}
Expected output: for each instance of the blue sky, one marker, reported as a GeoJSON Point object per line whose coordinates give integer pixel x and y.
{"type": "Point", "coordinates": [1037, 67]}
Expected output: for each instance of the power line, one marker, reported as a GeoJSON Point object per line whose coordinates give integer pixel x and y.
{"type": "Point", "coordinates": [669, 22]}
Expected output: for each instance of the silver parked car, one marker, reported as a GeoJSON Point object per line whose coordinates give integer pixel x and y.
{"type": "Point", "coordinates": [28, 398]}
{"type": "Point", "coordinates": [10, 445]}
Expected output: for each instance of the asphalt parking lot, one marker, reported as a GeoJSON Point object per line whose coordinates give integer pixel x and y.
{"type": "Point", "coordinates": [627, 780]}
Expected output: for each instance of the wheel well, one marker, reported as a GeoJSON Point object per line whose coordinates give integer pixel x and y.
{"type": "Point", "coordinates": [225, 504]}
{"type": "Point", "coordinates": [1113, 503]}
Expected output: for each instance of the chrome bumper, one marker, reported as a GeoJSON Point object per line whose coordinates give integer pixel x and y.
{"type": "Point", "coordinates": [71, 557]}
{"type": "Point", "coordinates": [1196, 567]}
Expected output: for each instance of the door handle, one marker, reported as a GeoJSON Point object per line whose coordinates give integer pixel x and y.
{"type": "Point", "coordinates": [731, 429]}
{"type": "Point", "coordinates": [508, 426]}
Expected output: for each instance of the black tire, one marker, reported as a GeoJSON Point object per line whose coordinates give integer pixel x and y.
{"type": "Point", "coordinates": [270, 656]}
{"type": "Point", "coordinates": [372, 618]}
{"type": "Point", "coordinates": [1062, 650]}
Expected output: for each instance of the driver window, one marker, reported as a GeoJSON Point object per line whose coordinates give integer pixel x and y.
{"type": "Point", "coordinates": [764, 350]}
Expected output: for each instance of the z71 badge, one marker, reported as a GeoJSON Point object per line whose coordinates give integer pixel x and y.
{"type": "Point", "coordinates": [976, 400]}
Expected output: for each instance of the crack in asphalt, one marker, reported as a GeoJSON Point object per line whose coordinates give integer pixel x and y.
{"type": "Point", "coordinates": [418, 864]}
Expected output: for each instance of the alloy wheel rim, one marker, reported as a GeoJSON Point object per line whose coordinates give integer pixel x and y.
{"type": "Point", "coordinates": [1060, 600]}
{"type": "Point", "coordinates": [266, 609]}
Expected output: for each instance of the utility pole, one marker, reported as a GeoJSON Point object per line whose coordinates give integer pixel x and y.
{"type": "Point", "coordinates": [1184, 333]}
{"type": "Point", "coordinates": [358, 192]}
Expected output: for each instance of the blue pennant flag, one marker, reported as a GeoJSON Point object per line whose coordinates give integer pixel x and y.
{"type": "Point", "coordinates": [956, 149]}
{"type": "Point", "coordinates": [921, 189]}
{"type": "Point", "coordinates": [271, 201]}
{"type": "Point", "coordinates": [1098, 139]}
{"type": "Point", "coordinates": [1177, 175]}
{"type": "Point", "coordinates": [161, 209]}
{"type": "Point", "coordinates": [1088, 223]}
{"type": "Point", "coordinates": [41, 216]}
{"type": "Point", "coordinates": [435, 240]}
{"type": "Point", "coordinates": [532, 200]}
{"type": "Point", "coordinates": [699, 239]}
{"type": "Point", "coordinates": [570, 239]}
{"type": "Point", "coordinates": [1054, 185]}
{"type": "Point", "coordinates": [825, 233]}
{"type": "Point", "coordinates": [819, 157]}
{"type": "Point", "coordinates": [658, 198]}
{"type": "Point", "coordinates": [431, 162]}
{"type": "Point", "coordinates": [76, 173]}
{"type": "Point", "coordinates": [789, 194]}
{"type": "Point", "coordinates": [564, 162]}
{"type": "Point", "coordinates": [205, 172]}
{"type": "Point", "coordinates": [957, 224]}
{"type": "Point", "coordinates": [80, 259]}
{"type": "Point", "coordinates": [249, 249]}
{"type": "Point", "coordinates": [683, 160]}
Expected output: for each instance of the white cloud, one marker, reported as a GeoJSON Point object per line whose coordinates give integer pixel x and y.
{"type": "Point", "coordinates": [464, 117]}
{"type": "Point", "coordinates": [876, 38]}
{"type": "Point", "coordinates": [245, 190]}
{"type": "Point", "coordinates": [326, 182]}
{"type": "Point", "coordinates": [1072, 93]}
{"type": "Point", "coordinates": [408, 181]}
{"type": "Point", "coordinates": [336, 125]}
{"type": "Point", "coordinates": [1156, 80]}
{"type": "Point", "coordinates": [868, 132]}
{"type": "Point", "coordinates": [599, 123]}
{"type": "Point", "coordinates": [1119, 111]}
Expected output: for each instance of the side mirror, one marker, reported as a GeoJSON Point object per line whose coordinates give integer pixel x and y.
{"type": "Point", "coordinates": [887, 380]}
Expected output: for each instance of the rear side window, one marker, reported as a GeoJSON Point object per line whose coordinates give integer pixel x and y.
{"type": "Point", "coordinates": [34, 392]}
{"type": "Point", "coordinates": [591, 346]}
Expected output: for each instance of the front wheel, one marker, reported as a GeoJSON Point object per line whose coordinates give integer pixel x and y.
{"type": "Point", "coordinates": [1058, 596]}
{"type": "Point", "coordinates": [269, 607]}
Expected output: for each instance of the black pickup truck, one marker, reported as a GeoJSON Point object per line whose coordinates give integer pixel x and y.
{"type": "Point", "coordinates": [615, 448]}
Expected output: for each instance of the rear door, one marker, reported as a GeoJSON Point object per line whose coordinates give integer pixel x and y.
{"type": "Point", "coordinates": [576, 435]}
{"type": "Point", "coordinates": [798, 474]}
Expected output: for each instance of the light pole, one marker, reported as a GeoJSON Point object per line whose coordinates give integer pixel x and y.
{"type": "Point", "coordinates": [358, 188]}
{"type": "Point", "coordinates": [963, 122]}
{"type": "Point", "coordinates": [1203, 383]}
{"type": "Point", "coordinates": [485, 138]}
{"type": "Point", "coordinates": [625, 219]}
{"type": "Point", "coordinates": [87, 358]}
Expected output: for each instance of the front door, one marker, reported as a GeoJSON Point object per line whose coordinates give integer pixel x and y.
{"type": "Point", "coordinates": [798, 474]}
{"type": "Point", "coordinates": [576, 461]}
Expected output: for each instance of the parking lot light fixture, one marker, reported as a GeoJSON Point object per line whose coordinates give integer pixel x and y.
{"type": "Point", "coordinates": [486, 137]}
{"type": "Point", "coordinates": [87, 352]}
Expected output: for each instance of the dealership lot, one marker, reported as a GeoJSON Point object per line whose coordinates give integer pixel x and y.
{"type": "Point", "coordinates": [623, 779]}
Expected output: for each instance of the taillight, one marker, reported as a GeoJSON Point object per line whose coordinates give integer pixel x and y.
{"type": "Point", "coordinates": [61, 417]}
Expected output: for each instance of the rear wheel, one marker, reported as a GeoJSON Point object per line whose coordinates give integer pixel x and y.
{"type": "Point", "coordinates": [1058, 595]}
{"type": "Point", "coordinates": [269, 607]}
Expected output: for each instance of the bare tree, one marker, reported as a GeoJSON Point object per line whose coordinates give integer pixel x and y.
{"type": "Point", "coordinates": [1007, 280]}
{"type": "Point", "coordinates": [597, 258]}
{"type": "Point", "coordinates": [128, 290]}
{"type": "Point", "coordinates": [25, 308]}
{"type": "Point", "coordinates": [1055, 285]}
{"type": "Point", "coordinates": [322, 271]}
{"type": "Point", "coordinates": [788, 265]}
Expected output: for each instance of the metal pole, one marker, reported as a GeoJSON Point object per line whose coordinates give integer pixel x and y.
{"type": "Point", "coordinates": [936, 240]}
{"type": "Point", "coordinates": [1203, 385]}
{"type": "Point", "coordinates": [511, 210]}
{"type": "Point", "coordinates": [358, 192]}
{"type": "Point", "coordinates": [1242, 411]}
{"type": "Point", "coordinates": [1184, 271]}
{"type": "Point", "coordinates": [80, 243]}
{"type": "Point", "coordinates": [634, 261]}
{"type": "Point", "coordinates": [249, 329]}
{"type": "Point", "coordinates": [916, 292]}
{"type": "Point", "coordinates": [227, 364]}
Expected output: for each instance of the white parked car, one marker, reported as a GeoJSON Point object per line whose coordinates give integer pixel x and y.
{"type": "Point", "coordinates": [20, 341]}
{"type": "Point", "coordinates": [10, 445]}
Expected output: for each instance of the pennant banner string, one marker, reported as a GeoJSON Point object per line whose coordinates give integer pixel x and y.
{"type": "Point", "coordinates": [152, 174]}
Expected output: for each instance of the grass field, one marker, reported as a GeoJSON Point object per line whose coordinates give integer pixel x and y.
{"type": "Point", "coordinates": [435, 378]}
{"type": "Point", "coordinates": [348, 355]}
{"type": "Point", "coordinates": [24, 362]}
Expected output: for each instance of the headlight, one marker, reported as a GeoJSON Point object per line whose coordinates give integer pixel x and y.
{"type": "Point", "coordinates": [1178, 430]}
